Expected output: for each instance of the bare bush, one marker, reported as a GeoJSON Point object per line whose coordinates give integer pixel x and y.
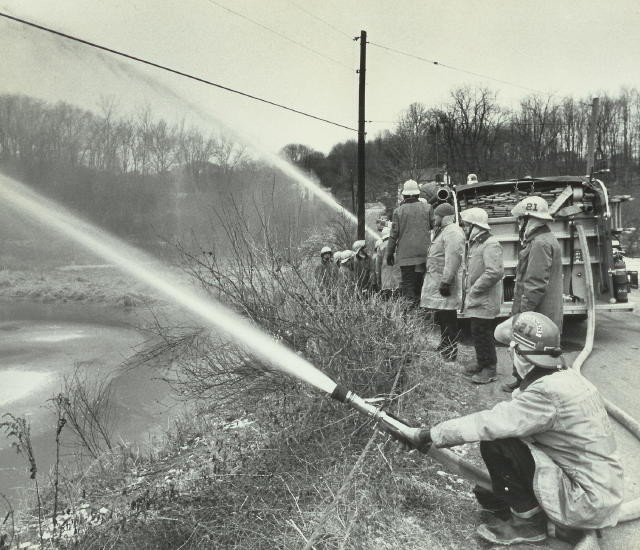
{"type": "Point", "coordinates": [266, 483]}
{"type": "Point", "coordinates": [86, 404]}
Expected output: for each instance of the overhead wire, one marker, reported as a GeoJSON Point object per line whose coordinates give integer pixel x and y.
{"type": "Point", "coordinates": [173, 71]}
{"type": "Point", "coordinates": [278, 33]}
{"type": "Point", "coordinates": [451, 67]}
{"type": "Point", "coordinates": [318, 18]}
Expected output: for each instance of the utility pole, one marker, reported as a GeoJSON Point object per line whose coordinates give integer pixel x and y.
{"type": "Point", "coordinates": [591, 136]}
{"type": "Point", "coordinates": [361, 134]}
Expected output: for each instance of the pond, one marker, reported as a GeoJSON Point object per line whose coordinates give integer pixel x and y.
{"type": "Point", "coordinates": [40, 344]}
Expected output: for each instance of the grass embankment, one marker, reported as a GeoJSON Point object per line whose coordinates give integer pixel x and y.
{"type": "Point", "coordinates": [268, 476]}
{"type": "Point", "coordinates": [267, 462]}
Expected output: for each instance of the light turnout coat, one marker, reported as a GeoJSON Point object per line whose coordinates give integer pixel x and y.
{"type": "Point", "coordinates": [560, 415]}
{"type": "Point", "coordinates": [444, 265]}
{"type": "Point", "coordinates": [388, 276]}
{"type": "Point", "coordinates": [484, 269]}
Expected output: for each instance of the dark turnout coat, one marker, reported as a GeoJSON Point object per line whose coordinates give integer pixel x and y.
{"type": "Point", "coordinates": [410, 233]}
{"type": "Point", "coordinates": [539, 283]}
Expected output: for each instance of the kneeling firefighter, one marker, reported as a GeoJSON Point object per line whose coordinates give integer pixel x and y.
{"type": "Point", "coordinates": [550, 450]}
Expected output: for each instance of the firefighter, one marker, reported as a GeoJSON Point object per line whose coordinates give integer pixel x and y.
{"type": "Point", "coordinates": [550, 450]}
{"type": "Point", "coordinates": [482, 295]}
{"type": "Point", "coordinates": [346, 270]}
{"type": "Point", "coordinates": [363, 267]}
{"type": "Point", "coordinates": [442, 288]}
{"type": "Point", "coordinates": [382, 222]}
{"type": "Point", "coordinates": [388, 277]}
{"type": "Point", "coordinates": [409, 241]}
{"type": "Point", "coordinates": [538, 285]}
{"type": "Point", "coordinates": [325, 272]}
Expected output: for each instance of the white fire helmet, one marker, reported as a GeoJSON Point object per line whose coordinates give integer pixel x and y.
{"type": "Point", "coordinates": [536, 339]}
{"type": "Point", "coordinates": [535, 207]}
{"type": "Point", "coordinates": [347, 255]}
{"type": "Point", "coordinates": [359, 245]}
{"type": "Point", "coordinates": [325, 250]}
{"type": "Point", "coordinates": [476, 216]}
{"type": "Point", "coordinates": [410, 187]}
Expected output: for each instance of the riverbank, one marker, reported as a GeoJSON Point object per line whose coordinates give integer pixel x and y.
{"type": "Point", "coordinates": [232, 473]}
{"type": "Point", "coordinates": [92, 284]}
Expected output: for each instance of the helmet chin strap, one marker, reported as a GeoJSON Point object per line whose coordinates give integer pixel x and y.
{"type": "Point", "coordinates": [523, 228]}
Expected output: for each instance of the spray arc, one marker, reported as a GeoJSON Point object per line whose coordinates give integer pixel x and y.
{"type": "Point", "coordinates": [145, 269]}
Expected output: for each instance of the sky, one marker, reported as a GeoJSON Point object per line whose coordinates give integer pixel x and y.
{"type": "Point", "coordinates": [301, 53]}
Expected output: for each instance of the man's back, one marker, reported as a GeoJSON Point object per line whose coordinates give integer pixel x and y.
{"type": "Point", "coordinates": [539, 284]}
{"type": "Point", "coordinates": [411, 232]}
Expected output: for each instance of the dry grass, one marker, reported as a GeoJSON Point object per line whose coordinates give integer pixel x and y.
{"type": "Point", "coordinates": [266, 462]}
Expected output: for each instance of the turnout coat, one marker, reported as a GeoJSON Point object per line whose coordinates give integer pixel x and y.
{"type": "Point", "coordinates": [388, 277]}
{"type": "Point", "coordinates": [539, 282]}
{"type": "Point", "coordinates": [560, 415]}
{"type": "Point", "coordinates": [410, 232]}
{"type": "Point", "coordinates": [483, 277]}
{"type": "Point", "coordinates": [444, 264]}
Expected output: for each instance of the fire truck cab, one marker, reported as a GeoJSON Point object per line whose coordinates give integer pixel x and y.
{"type": "Point", "coordinates": [572, 200]}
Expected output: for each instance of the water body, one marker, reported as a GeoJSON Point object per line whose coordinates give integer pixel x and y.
{"type": "Point", "coordinates": [40, 344]}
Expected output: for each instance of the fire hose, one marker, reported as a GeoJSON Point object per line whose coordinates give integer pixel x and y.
{"type": "Point", "coordinates": [400, 430]}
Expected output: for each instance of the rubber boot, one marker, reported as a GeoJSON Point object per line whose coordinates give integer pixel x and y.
{"type": "Point", "coordinates": [491, 507]}
{"type": "Point", "coordinates": [485, 376]}
{"type": "Point", "coordinates": [524, 527]}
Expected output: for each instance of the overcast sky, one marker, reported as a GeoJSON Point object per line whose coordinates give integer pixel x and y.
{"type": "Point", "coordinates": [555, 46]}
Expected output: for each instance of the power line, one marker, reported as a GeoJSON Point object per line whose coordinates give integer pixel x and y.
{"type": "Point", "coordinates": [330, 25]}
{"type": "Point", "coordinates": [170, 70]}
{"type": "Point", "coordinates": [446, 66]}
{"type": "Point", "coordinates": [278, 33]}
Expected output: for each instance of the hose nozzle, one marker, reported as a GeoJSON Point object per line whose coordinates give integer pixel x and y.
{"type": "Point", "coordinates": [416, 437]}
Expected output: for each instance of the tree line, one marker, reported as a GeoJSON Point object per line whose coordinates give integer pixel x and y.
{"type": "Point", "coordinates": [138, 175]}
{"type": "Point", "coordinates": [473, 133]}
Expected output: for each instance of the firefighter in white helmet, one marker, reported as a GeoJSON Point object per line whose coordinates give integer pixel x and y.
{"type": "Point", "coordinates": [538, 284]}
{"type": "Point", "coordinates": [550, 450]}
{"type": "Point", "coordinates": [409, 242]}
{"type": "Point", "coordinates": [482, 292]}
{"type": "Point", "coordinates": [363, 268]}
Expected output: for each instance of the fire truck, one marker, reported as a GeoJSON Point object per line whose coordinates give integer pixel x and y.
{"type": "Point", "coordinates": [587, 223]}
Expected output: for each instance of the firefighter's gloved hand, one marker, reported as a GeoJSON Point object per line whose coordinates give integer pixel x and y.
{"type": "Point", "coordinates": [390, 261]}
{"type": "Point", "coordinates": [445, 289]}
{"type": "Point", "coordinates": [422, 441]}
